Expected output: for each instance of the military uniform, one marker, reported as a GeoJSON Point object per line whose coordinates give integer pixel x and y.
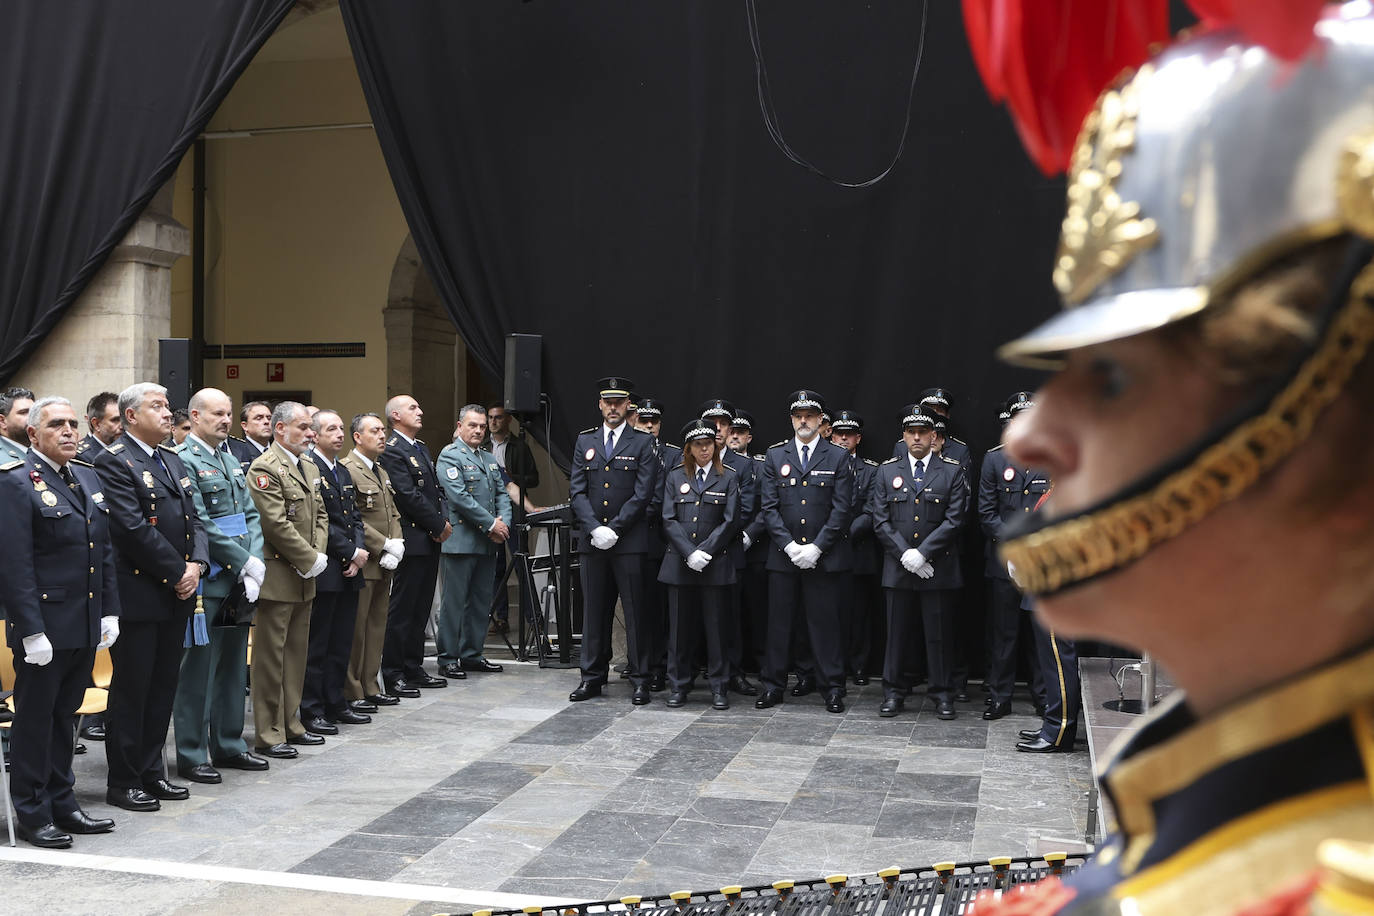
{"type": "Point", "coordinates": [208, 712]}
{"type": "Point", "coordinates": [246, 452]}
{"type": "Point", "coordinates": [866, 611]}
{"type": "Point", "coordinates": [60, 581]}
{"type": "Point", "coordinates": [475, 496]}
{"type": "Point", "coordinates": [295, 531]}
{"type": "Point", "coordinates": [381, 522]}
{"type": "Point", "coordinates": [655, 592]}
{"type": "Point", "coordinates": [334, 613]}
{"type": "Point", "coordinates": [88, 448]}
{"type": "Point", "coordinates": [156, 531]}
{"type": "Point", "coordinates": [12, 451]}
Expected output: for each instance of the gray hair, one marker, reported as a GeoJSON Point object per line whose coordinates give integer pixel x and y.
{"type": "Point", "coordinates": [285, 412]}
{"type": "Point", "coordinates": [40, 407]}
{"type": "Point", "coordinates": [132, 397]}
{"type": "Point", "coordinates": [315, 422]}
{"type": "Point", "coordinates": [470, 408]}
{"type": "Point", "coordinates": [358, 419]}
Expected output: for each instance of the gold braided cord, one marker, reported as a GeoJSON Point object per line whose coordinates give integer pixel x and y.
{"type": "Point", "coordinates": [1080, 548]}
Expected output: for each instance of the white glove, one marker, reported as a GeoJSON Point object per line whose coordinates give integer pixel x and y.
{"type": "Point", "coordinates": [251, 589]}
{"type": "Point", "coordinates": [748, 541]}
{"type": "Point", "coordinates": [321, 561]}
{"type": "Point", "coordinates": [109, 632]}
{"type": "Point", "coordinates": [396, 547]}
{"type": "Point", "coordinates": [603, 538]}
{"type": "Point", "coordinates": [254, 570]}
{"type": "Point", "coordinates": [37, 649]}
{"type": "Point", "coordinates": [927, 571]}
{"type": "Point", "coordinates": [912, 560]}
{"type": "Point", "coordinates": [389, 561]}
{"type": "Point", "coordinates": [808, 556]}
{"type": "Point", "coordinates": [791, 550]}
{"type": "Point", "coordinates": [697, 560]}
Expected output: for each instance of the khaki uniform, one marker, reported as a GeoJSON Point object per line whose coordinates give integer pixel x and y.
{"type": "Point", "coordinates": [295, 530]}
{"type": "Point", "coordinates": [381, 520]}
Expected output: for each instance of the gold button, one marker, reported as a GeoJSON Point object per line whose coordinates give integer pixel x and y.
{"type": "Point", "coordinates": [694, 534]}
{"type": "Point", "coordinates": [135, 572]}
{"type": "Point", "coordinates": [803, 540]}
{"type": "Point", "coordinates": [803, 521]}
{"type": "Point", "coordinates": [916, 535]}
{"type": "Point", "coordinates": [608, 467]}
{"type": "Point", "coordinates": [1025, 492]}
{"type": "Point", "coordinates": [164, 581]}
{"type": "Point", "coordinates": [92, 569]}
{"type": "Point", "coordinates": [604, 503]}
{"type": "Point", "coordinates": [92, 545]}
{"type": "Point", "coordinates": [803, 483]}
{"type": "Point", "coordinates": [916, 518]}
{"type": "Point", "coordinates": [188, 556]}
{"type": "Point", "coordinates": [694, 518]}
{"type": "Point", "coordinates": [45, 597]}
{"type": "Point", "coordinates": [803, 502]}
{"type": "Point", "coordinates": [90, 594]}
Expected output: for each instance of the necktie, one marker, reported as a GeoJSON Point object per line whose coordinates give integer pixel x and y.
{"type": "Point", "coordinates": [157, 456]}
{"type": "Point", "coordinates": [69, 479]}
{"type": "Point", "coordinates": [701, 478]}
{"type": "Point", "coordinates": [806, 457]}
{"type": "Point", "coordinates": [610, 444]}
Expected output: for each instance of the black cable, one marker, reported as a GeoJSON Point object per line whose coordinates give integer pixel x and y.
{"type": "Point", "coordinates": [770, 115]}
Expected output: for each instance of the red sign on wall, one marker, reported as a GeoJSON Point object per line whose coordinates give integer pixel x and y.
{"type": "Point", "coordinates": [276, 372]}
{"type": "Point", "coordinates": [231, 370]}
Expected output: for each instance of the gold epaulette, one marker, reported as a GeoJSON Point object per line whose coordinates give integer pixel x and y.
{"type": "Point", "coordinates": [11, 465]}
{"type": "Point", "coordinates": [84, 464]}
{"type": "Point", "coordinates": [776, 444]}
{"type": "Point", "coordinates": [588, 431]}
{"type": "Point", "coordinates": [870, 462]}
{"type": "Point", "coordinates": [995, 448]}
{"type": "Point", "coordinates": [956, 439]}
{"type": "Point", "coordinates": [949, 460]}
{"type": "Point", "coordinates": [897, 458]}
{"type": "Point", "coordinates": [116, 448]}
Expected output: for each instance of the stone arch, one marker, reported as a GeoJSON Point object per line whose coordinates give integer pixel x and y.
{"type": "Point", "coordinates": [424, 357]}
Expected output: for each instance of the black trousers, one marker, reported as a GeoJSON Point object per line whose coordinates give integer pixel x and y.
{"type": "Point", "coordinates": [42, 737]}
{"type": "Point", "coordinates": [147, 662]}
{"type": "Point", "coordinates": [606, 576]}
{"type": "Point", "coordinates": [332, 620]}
{"type": "Point", "coordinates": [753, 616]}
{"type": "Point", "coordinates": [734, 625]}
{"type": "Point", "coordinates": [908, 613]}
{"type": "Point", "coordinates": [656, 607]}
{"type": "Point", "coordinates": [865, 623]}
{"type": "Point", "coordinates": [814, 596]}
{"type": "Point", "coordinates": [412, 597]}
{"type": "Point", "coordinates": [1059, 664]}
{"type": "Point", "coordinates": [1005, 621]}
{"type": "Point", "coordinates": [692, 611]}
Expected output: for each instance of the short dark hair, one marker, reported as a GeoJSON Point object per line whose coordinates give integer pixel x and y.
{"type": "Point", "coordinates": [181, 415]}
{"type": "Point", "coordinates": [97, 405]}
{"type": "Point", "coordinates": [493, 406]}
{"type": "Point", "coordinates": [243, 413]}
{"type": "Point", "coordinates": [358, 420]}
{"type": "Point", "coordinates": [10, 396]}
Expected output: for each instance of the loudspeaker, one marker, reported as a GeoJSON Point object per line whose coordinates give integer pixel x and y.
{"type": "Point", "coordinates": [174, 369]}
{"type": "Point", "coordinates": [522, 372]}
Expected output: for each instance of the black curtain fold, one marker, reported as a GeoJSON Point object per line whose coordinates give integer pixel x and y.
{"type": "Point", "coordinates": [102, 100]}
{"type": "Point", "coordinates": [599, 173]}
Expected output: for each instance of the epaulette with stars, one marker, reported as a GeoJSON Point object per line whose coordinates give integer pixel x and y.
{"type": "Point", "coordinates": [84, 464]}
{"type": "Point", "coordinates": [949, 461]}
{"type": "Point", "coordinates": [870, 462]}
{"type": "Point", "coordinates": [116, 448]}
{"type": "Point", "coordinates": [588, 431]}
{"type": "Point", "coordinates": [776, 444]}
{"type": "Point", "coordinates": [11, 465]}
{"type": "Point", "coordinates": [994, 448]}
{"type": "Point", "coordinates": [171, 448]}
{"type": "Point", "coordinates": [897, 458]}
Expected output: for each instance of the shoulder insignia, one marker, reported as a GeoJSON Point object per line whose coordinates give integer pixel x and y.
{"type": "Point", "coordinates": [588, 431]}
{"type": "Point", "coordinates": [730, 469]}
{"type": "Point", "coordinates": [957, 439]}
{"type": "Point", "coordinates": [237, 439]}
{"type": "Point", "coordinates": [896, 458]}
{"type": "Point", "coordinates": [84, 464]}
{"type": "Point", "coordinates": [870, 462]}
{"type": "Point", "coordinates": [952, 461]}
{"type": "Point", "coordinates": [184, 446]}
{"type": "Point", "coordinates": [778, 444]}
{"type": "Point", "coordinates": [757, 457]}
{"type": "Point", "coordinates": [171, 448]}
{"type": "Point", "coordinates": [994, 448]}
{"type": "Point", "coordinates": [393, 440]}
{"type": "Point", "coordinates": [11, 465]}
{"type": "Point", "coordinates": [116, 448]}
{"type": "Point", "coordinates": [671, 445]}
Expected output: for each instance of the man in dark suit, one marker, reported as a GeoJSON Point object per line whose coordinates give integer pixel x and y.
{"type": "Point", "coordinates": [865, 609]}
{"type": "Point", "coordinates": [63, 603]}
{"type": "Point", "coordinates": [937, 403]}
{"type": "Point", "coordinates": [407, 462]}
{"type": "Point", "coordinates": [102, 416]}
{"type": "Point", "coordinates": [255, 421]}
{"type": "Point", "coordinates": [918, 503]}
{"type": "Point", "coordinates": [162, 555]}
{"type": "Point", "coordinates": [335, 612]}
{"type": "Point", "coordinates": [649, 419]}
{"type": "Point", "coordinates": [614, 470]}
{"type": "Point", "coordinates": [807, 499]}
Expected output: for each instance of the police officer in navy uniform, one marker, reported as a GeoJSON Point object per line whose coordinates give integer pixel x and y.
{"type": "Point", "coordinates": [807, 498]}
{"type": "Point", "coordinates": [102, 417]}
{"type": "Point", "coordinates": [937, 404]}
{"type": "Point", "coordinates": [918, 503]}
{"type": "Point", "coordinates": [866, 607]}
{"type": "Point", "coordinates": [161, 554]}
{"type": "Point", "coordinates": [1006, 491]}
{"type": "Point", "coordinates": [754, 589]}
{"type": "Point", "coordinates": [63, 601]}
{"type": "Point", "coordinates": [700, 500]}
{"type": "Point", "coordinates": [649, 419]}
{"type": "Point", "coordinates": [614, 471]}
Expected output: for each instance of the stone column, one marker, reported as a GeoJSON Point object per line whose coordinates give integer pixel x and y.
{"type": "Point", "coordinates": [423, 358]}
{"type": "Point", "coordinates": [108, 338]}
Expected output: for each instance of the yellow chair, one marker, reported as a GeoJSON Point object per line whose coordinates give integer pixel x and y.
{"type": "Point", "coordinates": [103, 669]}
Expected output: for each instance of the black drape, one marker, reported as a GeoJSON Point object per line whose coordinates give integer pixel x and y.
{"type": "Point", "coordinates": [598, 172]}
{"type": "Point", "coordinates": [102, 98]}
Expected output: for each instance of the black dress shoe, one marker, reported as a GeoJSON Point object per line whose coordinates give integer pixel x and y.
{"type": "Point", "coordinates": [945, 710]}
{"type": "Point", "coordinates": [402, 688]}
{"type": "Point", "coordinates": [720, 701]}
{"type": "Point", "coordinates": [320, 726]}
{"type": "Point", "coordinates": [427, 681]}
{"type": "Point", "coordinates": [675, 699]}
{"type": "Point", "coordinates": [131, 800]}
{"type": "Point", "coordinates": [81, 822]}
{"type": "Point", "coordinates": [44, 837]}
{"type": "Point", "coordinates": [768, 699]}
{"type": "Point", "coordinates": [891, 707]}
{"type": "Point", "coordinates": [381, 699]}
{"type": "Point", "coordinates": [244, 761]}
{"type": "Point", "coordinates": [803, 687]}
{"type": "Point", "coordinates": [161, 788]}
{"type": "Point", "coordinates": [201, 772]}
{"type": "Point", "coordinates": [309, 739]}
{"type": "Point", "coordinates": [1029, 734]}
{"type": "Point", "coordinates": [280, 751]}
{"type": "Point", "coordinates": [658, 683]}
{"type": "Point", "coordinates": [962, 696]}
{"type": "Point", "coordinates": [987, 701]}
{"type": "Point", "coordinates": [641, 696]}
{"type": "Point", "coordinates": [362, 706]}
{"type": "Point", "coordinates": [584, 691]}
{"type": "Point", "coordinates": [834, 701]}
{"type": "Point", "coordinates": [453, 670]}
{"type": "Point", "coordinates": [482, 666]}
{"type": "Point", "coordinates": [860, 680]}
{"type": "Point", "coordinates": [79, 749]}
{"type": "Point", "coordinates": [93, 732]}
{"type": "Point", "coordinates": [741, 685]}
{"type": "Point", "coordinates": [1039, 746]}
{"type": "Point", "coordinates": [348, 716]}
{"type": "Point", "coordinates": [997, 711]}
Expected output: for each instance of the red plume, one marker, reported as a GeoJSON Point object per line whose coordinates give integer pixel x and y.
{"type": "Point", "coordinates": [1282, 26]}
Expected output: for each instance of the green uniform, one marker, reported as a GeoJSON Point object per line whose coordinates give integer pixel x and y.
{"type": "Point", "coordinates": [475, 497]}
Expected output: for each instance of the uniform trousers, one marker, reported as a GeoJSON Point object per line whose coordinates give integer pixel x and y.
{"type": "Point", "coordinates": [147, 661]}
{"type": "Point", "coordinates": [280, 642]}
{"type": "Point", "coordinates": [1005, 622]}
{"type": "Point", "coordinates": [369, 632]}
{"type": "Point", "coordinates": [412, 598]}
{"type": "Point", "coordinates": [1059, 663]}
{"type": "Point", "coordinates": [208, 712]}
{"type": "Point", "coordinates": [656, 607]}
{"type": "Point", "coordinates": [42, 738]}
{"type": "Point", "coordinates": [910, 611]}
{"type": "Point", "coordinates": [814, 596]}
{"type": "Point", "coordinates": [734, 625]}
{"type": "Point", "coordinates": [465, 608]}
{"type": "Point", "coordinates": [692, 610]}
{"type": "Point", "coordinates": [865, 617]}
{"type": "Point", "coordinates": [753, 616]}
{"type": "Point", "coordinates": [332, 621]}
{"type": "Point", "coordinates": [605, 576]}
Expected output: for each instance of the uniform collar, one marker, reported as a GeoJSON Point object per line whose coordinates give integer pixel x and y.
{"type": "Point", "coordinates": [295, 459]}
{"type": "Point", "coordinates": [46, 460]}
{"type": "Point", "coordinates": [366, 462]}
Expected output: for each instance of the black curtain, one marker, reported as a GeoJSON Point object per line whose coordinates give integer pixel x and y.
{"type": "Point", "coordinates": [598, 172]}
{"type": "Point", "coordinates": [102, 99]}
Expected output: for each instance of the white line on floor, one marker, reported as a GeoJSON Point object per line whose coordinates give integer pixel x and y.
{"type": "Point", "coordinates": [476, 899]}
